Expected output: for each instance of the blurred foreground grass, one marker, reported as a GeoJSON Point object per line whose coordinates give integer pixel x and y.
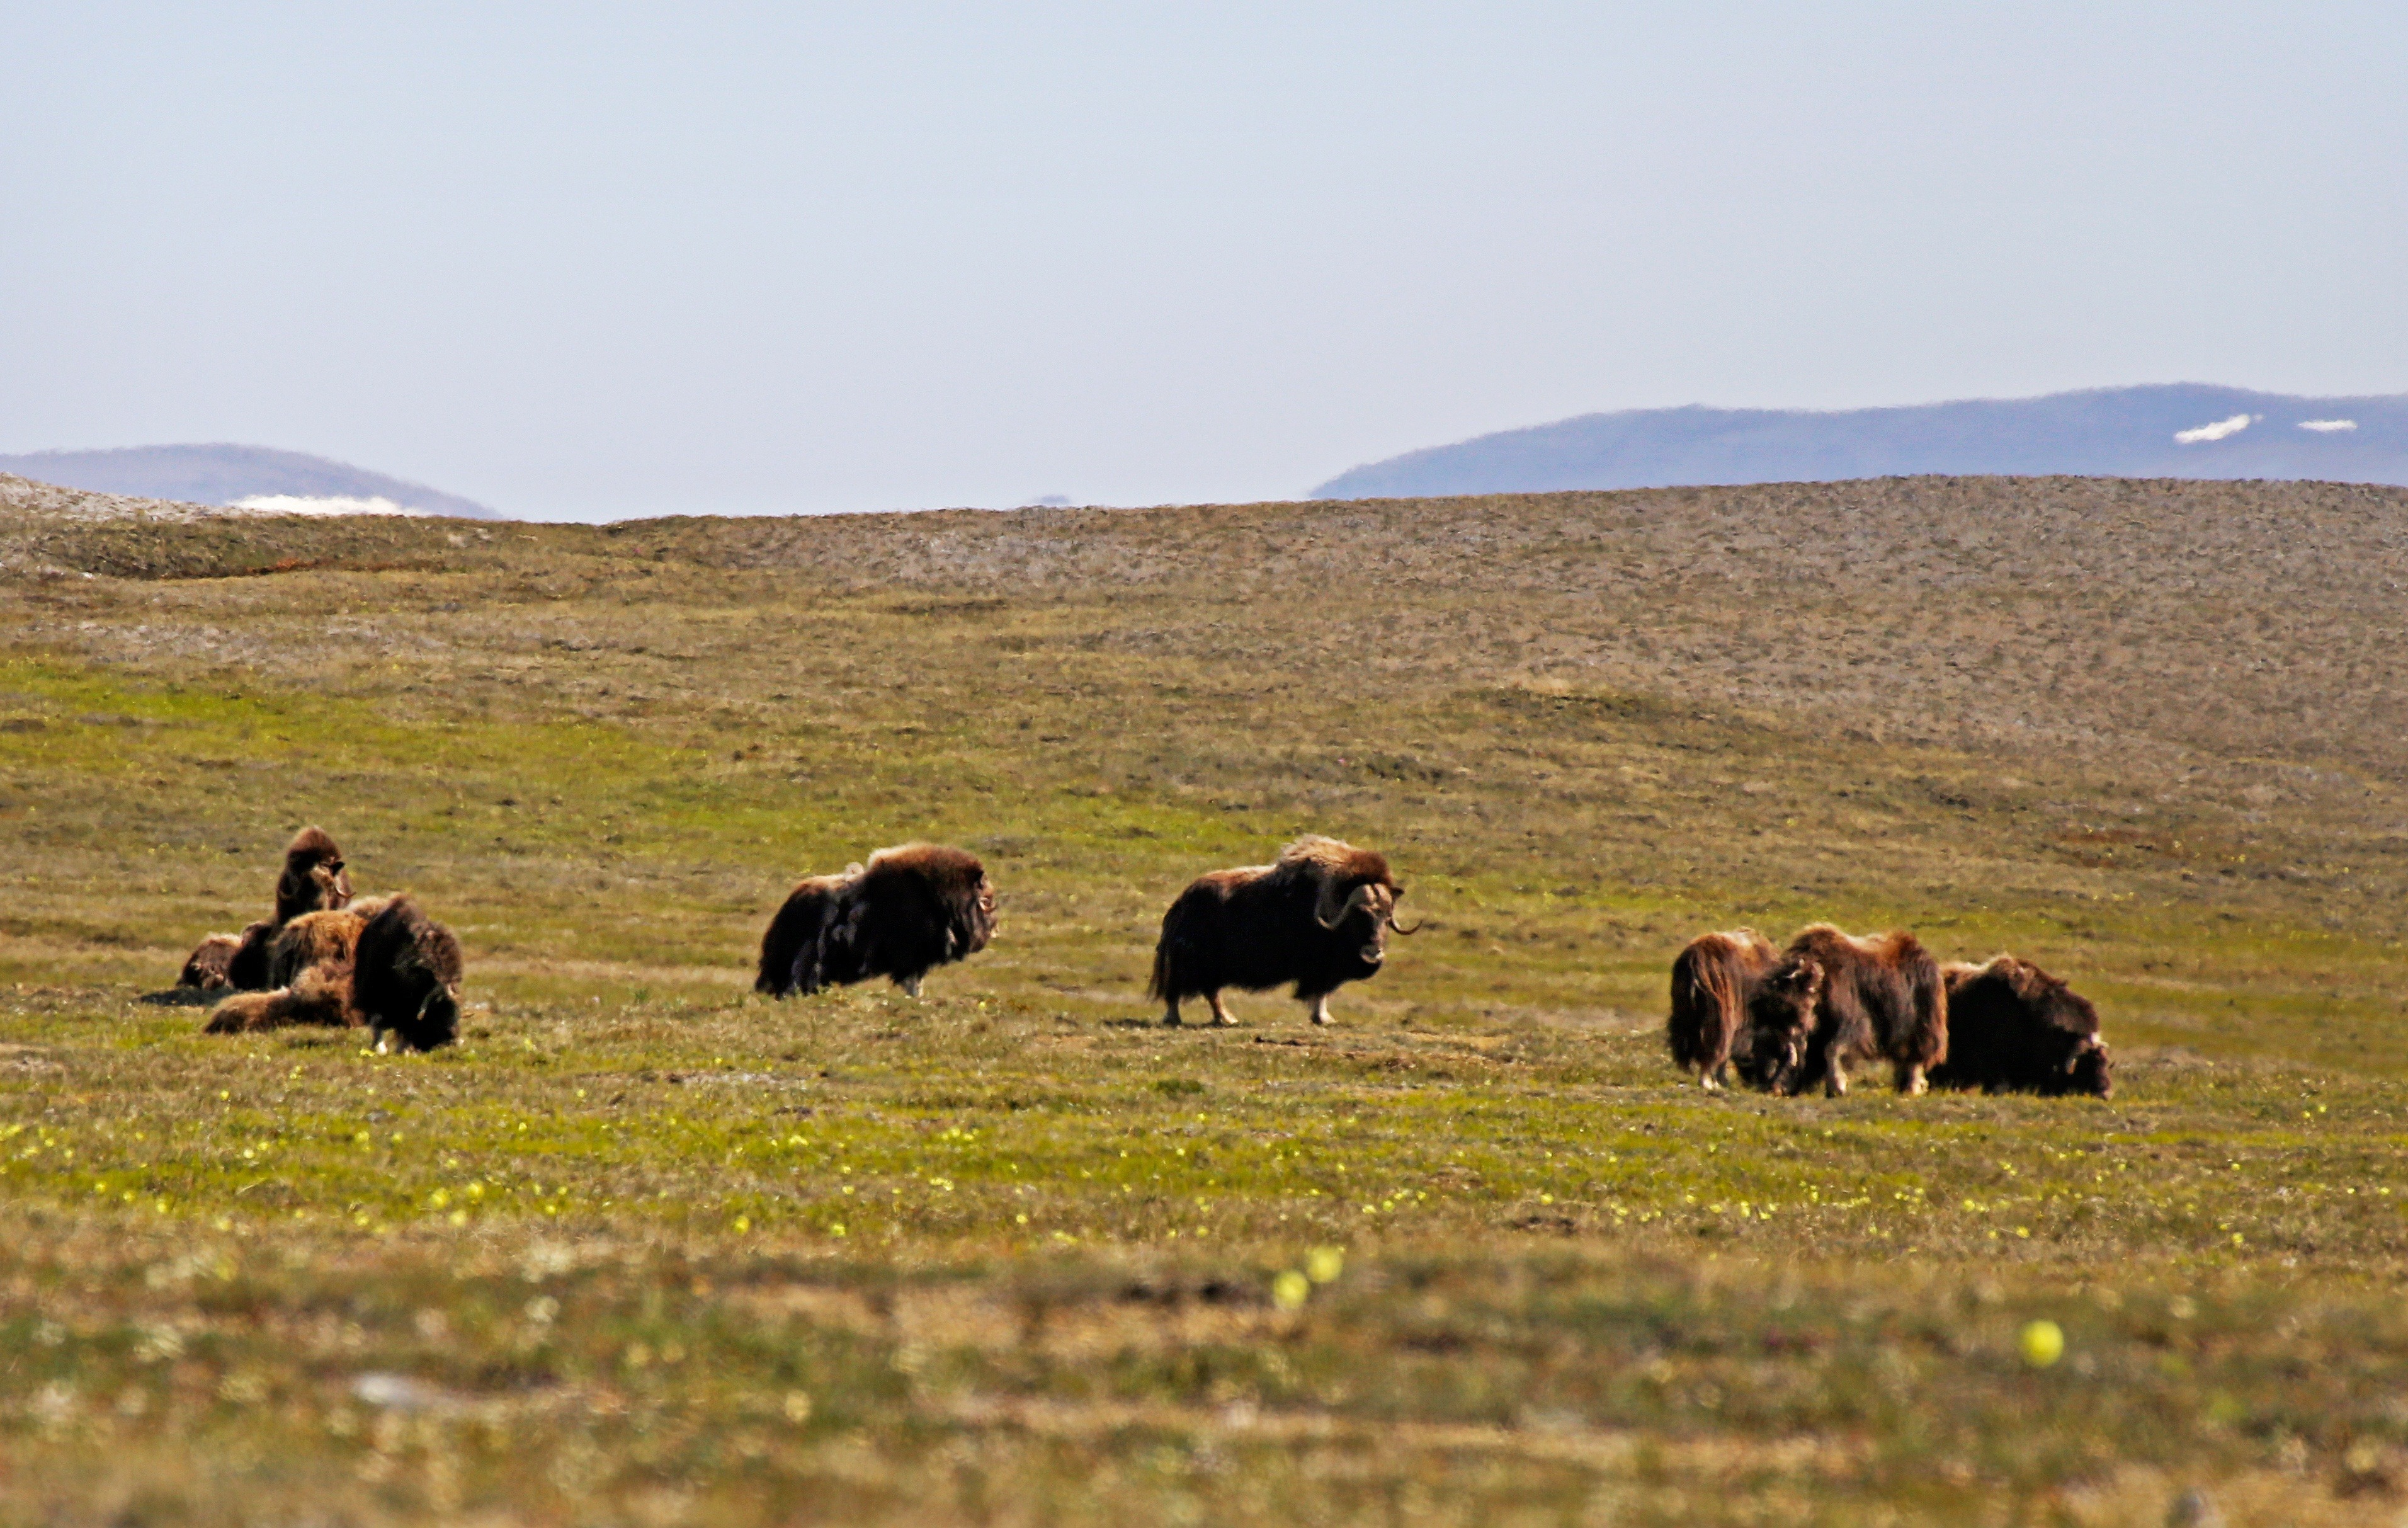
{"type": "Point", "coordinates": [650, 1249]}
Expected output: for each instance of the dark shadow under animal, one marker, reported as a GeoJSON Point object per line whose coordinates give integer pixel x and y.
{"type": "Point", "coordinates": [909, 909]}
{"type": "Point", "coordinates": [2014, 1027]}
{"type": "Point", "coordinates": [1318, 917]}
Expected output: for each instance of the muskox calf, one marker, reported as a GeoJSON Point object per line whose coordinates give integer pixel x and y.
{"type": "Point", "coordinates": [1849, 1000]}
{"type": "Point", "coordinates": [909, 911]}
{"type": "Point", "coordinates": [313, 880]}
{"type": "Point", "coordinates": [2013, 1027]}
{"type": "Point", "coordinates": [406, 973]}
{"type": "Point", "coordinates": [1717, 982]}
{"type": "Point", "coordinates": [1319, 916]}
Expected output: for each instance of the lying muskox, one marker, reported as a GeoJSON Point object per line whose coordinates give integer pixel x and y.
{"type": "Point", "coordinates": [2013, 1027]}
{"type": "Point", "coordinates": [1847, 1000]}
{"type": "Point", "coordinates": [1717, 982]}
{"type": "Point", "coordinates": [909, 911]}
{"type": "Point", "coordinates": [379, 962]}
{"type": "Point", "coordinates": [313, 880]}
{"type": "Point", "coordinates": [1319, 916]}
{"type": "Point", "coordinates": [308, 976]}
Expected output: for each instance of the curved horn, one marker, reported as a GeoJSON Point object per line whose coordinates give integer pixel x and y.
{"type": "Point", "coordinates": [1355, 899]}
{"type": "Point", "coordinates": [1400, 928]}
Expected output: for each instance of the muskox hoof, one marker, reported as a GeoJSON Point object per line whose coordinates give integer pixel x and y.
{"type": "Point", "coordinates": [1913, 1084]}
{"type": "Point", "coordinates": [1170, 1020]}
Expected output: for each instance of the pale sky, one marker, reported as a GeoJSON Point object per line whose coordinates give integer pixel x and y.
{"type": "Point", "coordinates": [593, 260]}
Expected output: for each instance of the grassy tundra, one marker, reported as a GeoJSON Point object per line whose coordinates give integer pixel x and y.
{"type": "Point", "coordinates": [650, 1249]}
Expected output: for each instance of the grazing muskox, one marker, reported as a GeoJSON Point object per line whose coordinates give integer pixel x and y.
{"type": "Point", "coordinates": [1877, 998]}
{"type": "Point", "coordinates": [1319, 916]}
{"type": "Point", "coordinates": [909, 909]}
{"type": "Point", "coordinates": [2013, 1027]}
{"type": "Point", "coordinates": [1717, 981]}
{"type": "Point", "coordinates": [406, 972]}
{"type": "Point", "coordinates": [313, 880]}
{"type": "Point", "coordinates": [309, 976]}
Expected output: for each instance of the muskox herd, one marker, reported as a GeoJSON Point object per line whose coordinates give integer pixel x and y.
{"type": "Point", "coordinates": [1781, 1019]}
{"type": "Point", "coordinates": [327, 959]}
{"type": "Point", "coordinates": [1789, 1019]}
{"type": "Point", "coordinates": [1315, 918]}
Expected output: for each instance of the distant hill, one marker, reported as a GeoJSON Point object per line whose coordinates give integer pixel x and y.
{"type": "Point", "coordinates": [222, 474]}
{"type": "Point", "coordinates": [2177, 430]}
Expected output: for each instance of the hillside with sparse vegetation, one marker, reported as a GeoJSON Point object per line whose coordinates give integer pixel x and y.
{"type": "Point", "coordinates": [649, 1249]}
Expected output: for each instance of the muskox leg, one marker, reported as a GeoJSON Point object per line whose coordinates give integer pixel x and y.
{"type": "Point", "coordinates": [1910, 1079]}
{"type": "Point", "coordinates": [1219, 1010]}
{"type": "Point", "coordinates": [1321, 1009]}
{"type": "Point", "coordinates": [911, 986]}
{"type": "Point", "coordinates": [1834, 1076]}
{"type": "Point", "coordinates": [1170, 1013]}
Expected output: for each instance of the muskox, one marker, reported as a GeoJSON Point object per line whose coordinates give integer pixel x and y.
{"type": "Point", "coordinates": [211, 966]}
{"type": "Point", "coordinates": [310, 975]}
{"type": "Point", "coordinates": [1319, 916]}
{"type": "Point", "coordinates": [909, 909]}
{"type": "Point", "coordinates": [1717, 982]}
{"type": "Point", "coordinates": [313, 880]}
{"type": "Point", "coordinates": [406, 972]}
{"type": "Point", "coordinates": [1874, 999]}
{"type": "Point", "coordinates": [2014, 1027]}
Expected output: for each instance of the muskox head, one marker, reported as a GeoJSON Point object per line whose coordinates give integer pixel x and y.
{"type": "Point", "coordinates": [438, 1020]}
{"type": "Point", "coordinates": [1364, 911]}
{"type": "Point", "coordinates": [1781, 1022]}
{"type": "Point", "coordinates": [313, 879]}
{"type": "Point", "coordinates": [980, 917]}
{"type": "Point", "coordinates": [2058, 1010]}
{"type": "Point", "coordinates": [2088, 1069]}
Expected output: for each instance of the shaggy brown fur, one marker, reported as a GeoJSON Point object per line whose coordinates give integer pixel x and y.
{"type": "Point", "coordinates": [1318, 916]}
{"type": "Point", "coordinates": [2013, 1027]}
{"type": "Point", "coordinates": [910, 908]}
{"type": "Point", "coordinates": [310, 969]}
{"type": "Point", "coordinates": [1716, 982]}
{"type": "Point", "coordinates": [406, 973]}
{"type": "Point", "coordinates": [313, 880]}
{"type": "Point", "coordinates": [207, 967]}
{"type": "Point", "coordinates": [791, 942]}
{"type": "Point", "coordinates": [1879, 999]}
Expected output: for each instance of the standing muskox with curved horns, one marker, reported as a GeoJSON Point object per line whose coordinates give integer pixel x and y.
{"type": "Point", "coordinates": [313, 881]}
{"type": "Point", "coordinates": [1319, 916]}
{"type": "Point", "coordinates": [909, 909]}
{"type": "Point", "coordinates": [1877, 998]}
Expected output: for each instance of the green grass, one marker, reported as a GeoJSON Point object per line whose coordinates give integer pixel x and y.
{"type": "Point", "coordinates": [649, 1249]}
